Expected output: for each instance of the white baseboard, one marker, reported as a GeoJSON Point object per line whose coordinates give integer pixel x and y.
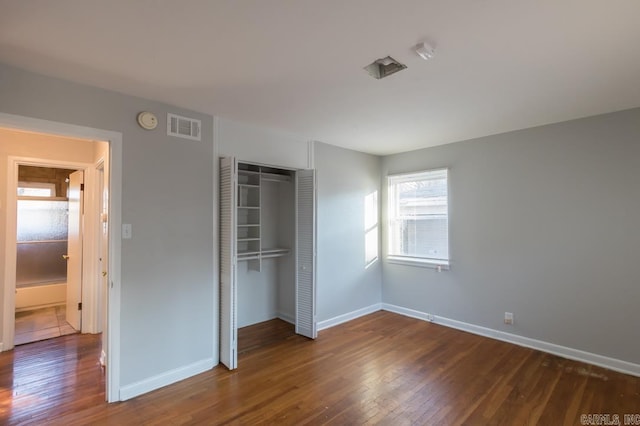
{"type": "Point", "coordinates": [164, 379]}
{"type": "Point", "coordinates": [286, 317]}
{"type": "Point", "coordinates": [563, 351]}
{"type": "Point", "coordinates": [322, 325]}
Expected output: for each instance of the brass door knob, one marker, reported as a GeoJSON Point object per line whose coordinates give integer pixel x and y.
{"type": "Point", "coordinates": [65, 256]}
{"type": "Point", "coordinates": [104, 273]}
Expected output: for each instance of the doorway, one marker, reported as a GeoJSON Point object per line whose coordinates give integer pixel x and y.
{"type": "Point", "coordinates": [103, 174]}
{"type": "Point", "coordinates": [49, 220]}
{"type": "Point", "coordinates": [81, 292]}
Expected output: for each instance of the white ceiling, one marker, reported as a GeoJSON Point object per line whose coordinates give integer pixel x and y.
{"type": "Point", "coordinates": [296, 65]}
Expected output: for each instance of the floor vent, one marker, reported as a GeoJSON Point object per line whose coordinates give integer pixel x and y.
{"type": "Point", "coordinates": [183, 127]}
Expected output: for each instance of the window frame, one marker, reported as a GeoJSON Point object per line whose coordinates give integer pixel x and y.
{"type": "Point", "coordinates": [392, 207]}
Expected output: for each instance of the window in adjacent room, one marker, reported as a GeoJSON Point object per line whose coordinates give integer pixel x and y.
{"type": "Point", "coordinates": [419, 218]}
{"type": "Point", "coordinates": [36, 189]}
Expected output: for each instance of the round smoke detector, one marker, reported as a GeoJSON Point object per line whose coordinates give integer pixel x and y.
{"type": "Point", "coordinates": [147, 120]}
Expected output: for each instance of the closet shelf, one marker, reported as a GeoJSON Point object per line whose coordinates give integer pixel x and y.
{"type": "Point", "coordinates": [244, 225]}
{"type": "Point", "coordinates": [273, 177]}
{"type": "Point", "coordinates": [248, 185]}
{"type": "Point", "coordinates": [249, 207]}
{"type": "Point", "coordinates": [248, 257]}
{"type": "Point", "coordinates": [248, 239]}
{"type": "Point", "coordinates": [262, 254]}
{"type": "Point", "coordinates": [274, 252]}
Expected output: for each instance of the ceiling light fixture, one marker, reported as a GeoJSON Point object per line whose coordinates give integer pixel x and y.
{"type": "Point", "coordinates": [425, 50]}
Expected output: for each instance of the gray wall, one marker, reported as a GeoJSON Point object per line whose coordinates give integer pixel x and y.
{"type": "Point", "coordinates": [344, 179]}
{"type": "Point", "coordinates": [544, 224]}
{"type": "Point", "coordinates": [167, 275]}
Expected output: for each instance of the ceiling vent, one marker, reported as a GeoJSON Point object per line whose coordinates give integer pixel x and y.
{"type": "Point", "coordinates": [183, 127]}
{"type": "Point", "coordinates": [381, 68]}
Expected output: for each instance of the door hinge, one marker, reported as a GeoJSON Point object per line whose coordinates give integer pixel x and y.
{"type": "Point", "coordinates": [80, 306]}
{"type": "Point", "coordinates": [82, 187]}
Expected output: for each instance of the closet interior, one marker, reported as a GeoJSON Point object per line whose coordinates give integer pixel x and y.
{"type": "Point", "coordinates": [265, 221]}
{"type": "Point", "coordinates": [267, 253]}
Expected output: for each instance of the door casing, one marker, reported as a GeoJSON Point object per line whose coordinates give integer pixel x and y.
{"type": "Point", "coordinates": [114, 139]}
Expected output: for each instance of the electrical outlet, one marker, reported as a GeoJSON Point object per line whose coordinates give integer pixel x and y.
{"type": "Point", "coordinates": [508, 318]}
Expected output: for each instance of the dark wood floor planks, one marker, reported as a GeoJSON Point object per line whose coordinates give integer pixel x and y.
{"type": "Point", "coordinates": [379, 369]}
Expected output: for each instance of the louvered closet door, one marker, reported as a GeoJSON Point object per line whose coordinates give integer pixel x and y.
{"type": "Point", "coordinates": [228, 288]}
{"type": "Point", "coordinates": [306, 253]}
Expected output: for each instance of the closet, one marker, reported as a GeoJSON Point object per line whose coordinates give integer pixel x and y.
{"type": "Point", "coordinates": [267, 249]}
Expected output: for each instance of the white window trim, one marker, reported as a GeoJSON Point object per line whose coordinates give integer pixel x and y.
{"type": "Point", "coordinates": [374, 228]}
{"type": "Point", "coordinates": [423, 262]}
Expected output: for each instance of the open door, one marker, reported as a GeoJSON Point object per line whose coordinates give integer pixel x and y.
{"type": "Point", "coordinates": [306, 254]}
{"type": "Point", "coordinates": [103, 259]}
{"type": "Point", "coordinates": [228, 287]}
{"type": "Point", "coordinates": [74, 250]}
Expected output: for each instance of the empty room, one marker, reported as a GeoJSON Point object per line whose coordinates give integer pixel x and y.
{"type": "Point", "coordinates": [320, 212]}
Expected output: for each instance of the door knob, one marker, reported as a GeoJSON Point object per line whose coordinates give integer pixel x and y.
{"type": "Point", "coordinates": [104, 273]}
{"type": "Point", "coordinates": [65, 256]}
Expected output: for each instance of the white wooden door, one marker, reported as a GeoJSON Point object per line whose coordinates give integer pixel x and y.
{"type": "Point", "coordinates": [74, 250]}
{"type": "Point", "coordinates": [228, 285]}
{"type": "Point", "coordinates": [103, 258]}
{"type": "Point", "coordinates": [306, 253]}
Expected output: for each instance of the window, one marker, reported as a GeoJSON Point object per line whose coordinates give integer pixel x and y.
{"type": "Point", "coordinates": [371, 228]}
{"type": "Point", "coordinates": [36, 189]}
{"type": "Point", "coordinates": [419, 218]}
{"type": "Point", "coordinates": [41, 234]}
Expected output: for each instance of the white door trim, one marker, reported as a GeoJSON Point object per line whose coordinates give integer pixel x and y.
{"type": "Point", "coordinates": [115, 241]}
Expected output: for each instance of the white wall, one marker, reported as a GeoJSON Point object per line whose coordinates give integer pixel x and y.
{"type": "Point", "coordinates": [260, 145]}
{"type": "Point", "coordinates": [257, 292]}
{"type": "Point", "coordinates": [345, 284]}
{"type": "Point", "coordinates": [168, 311]}
{"type": "Point", "coordinates": [544, 224]}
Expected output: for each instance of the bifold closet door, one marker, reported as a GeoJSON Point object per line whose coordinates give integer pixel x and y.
{"type": "Point", "coordinates": [306, 253]}
{"type": "Point", "coordinates": [228, 286]}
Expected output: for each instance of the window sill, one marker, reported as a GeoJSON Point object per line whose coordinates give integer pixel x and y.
{"type": "Point", "coordinates": [421, 263]}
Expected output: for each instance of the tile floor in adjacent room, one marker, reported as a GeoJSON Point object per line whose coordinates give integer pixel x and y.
{"type": "Point", "coordinates": [41, 324]}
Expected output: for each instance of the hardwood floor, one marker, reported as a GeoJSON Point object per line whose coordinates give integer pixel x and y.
{"type": "Point", "coordinates": [264, 334]}
{"type": "Point", "coordinates": [379, 369]}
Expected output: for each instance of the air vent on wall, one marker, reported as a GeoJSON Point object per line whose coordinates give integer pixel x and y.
{"type": "Point", "coordinates": [183, 127]}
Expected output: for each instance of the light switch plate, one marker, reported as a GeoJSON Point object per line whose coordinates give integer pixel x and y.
{"type": "Point", "coordinates": [126, 231]}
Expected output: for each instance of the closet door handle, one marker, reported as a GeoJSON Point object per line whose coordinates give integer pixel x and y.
{"type": "Point", "coordinates": [65, 256]}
